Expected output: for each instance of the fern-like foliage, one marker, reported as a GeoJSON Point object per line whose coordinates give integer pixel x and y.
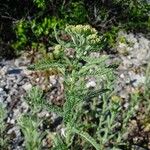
{"type": "Point", "coordinates": [46, 64]}
{"type": "Point", "coordinates": [29, 127]}
{"type": "Point", "coordinates": [3, 137]}
{"type": "Point", "coordinates": [75, 72]}
{"type": "Point", "coordinates": [58, 142]}
{"type": "Point", "coordinates": [87, 137]}
{"type": "Point", "coordinates": [81, 101]}
{"type": "Point", "coordinates": [36, 102]}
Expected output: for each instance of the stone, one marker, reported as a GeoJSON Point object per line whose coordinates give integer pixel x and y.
{"type": "Point", "coordinates": [14, 71]}
{"type": "Point", "coordinates": [27, 86]}
{"type": "Point", "coordinates": [1, 90]}
{"type": "Point", "coordinates": [91, 84]}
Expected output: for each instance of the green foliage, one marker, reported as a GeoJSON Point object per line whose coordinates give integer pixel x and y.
{"type": "Point", "coordinates": [58, 142]}
{"type": "Point", "coordinates": [30, 32]}
{"type": "Point", "coordinates": [131, 15]}
{"type": "Point", "coordinates": [29, 127]}
{"type": "Point", "coordinates": [147, 81]}
{"type": "Point", "coordinates": [34, 99]}
{"type": "Point", "coordinates": [40, 3]}
{"type": "Point", "coordinates": [24, 23]}
{"type": "Point", "coordinates": [147, 88]}
{"type": "Point", "coordinates": [21, 32]}
{"type": "Point", "coordinates": [40, 28]}
{"type": "Point", "coordinates": [45, 27]}
{"type": "Point", "coordinates": [86, 136]}
{"type": "Point", "coordinates": [3, 136]}
{"type": "Point", "coordinates": [75, 79]}
{"type": "Point", "coordinates": [138, 12]}
{"type": "Point", "coordinates": [105, 115]}
{"type": "Point", "coordinates": [36, 102]}
{"type": "Point", "coordinates": [76, 14]}
{"type": "Point", "coordinates": [109, 37]}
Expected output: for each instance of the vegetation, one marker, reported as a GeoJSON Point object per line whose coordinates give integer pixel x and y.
{"type": "Point", "coordinates": [63, 35]}
{"type": "Point", "coordinates": [37, 19]}
{"type": "Point", "coordinates": [93, 117]}
{"type": "Point", "coordinates": [29, 127]}
{"type": "Point", "coordinates": [3, 135]}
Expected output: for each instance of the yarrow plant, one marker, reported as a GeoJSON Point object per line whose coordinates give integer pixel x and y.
{"type": "Point", "coordinates": [83, 38]}
{"type": "Point", "coordinates": [91, 119]}
{"type": "Point", "coordinates": [81, 34]}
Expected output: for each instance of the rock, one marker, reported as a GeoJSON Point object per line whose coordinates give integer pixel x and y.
{"type": "Point", "coordinates": [43, 114]}
{"type": "Point", "coordinates": [27, 86]}
{"type": "Point", "coordinates": [91, 84]}
{"type": "Point", "coordinates": [2, 84]}
{"type": "Point", "coordinates": [53, 80]}
{"type": "Point", "coordinates": [14, 71]}
{"type": "Point", "coordinates": [122, 48]}
{"type": "Point", "coordinates": [12, 121]}
{"type": "Point", "coordinates": [1, 90]}
{"type": "Point", "coordinates": [8, 99]}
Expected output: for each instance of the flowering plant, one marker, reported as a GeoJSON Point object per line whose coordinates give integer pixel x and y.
{"type": "Point", "coordinates": [83, 38]}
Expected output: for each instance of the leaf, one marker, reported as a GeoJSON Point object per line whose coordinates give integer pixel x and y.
{"type": "Point", "coordinates": [86, 136]}
{"type": "Point", "coordinates": [48, 64]}
{"type": "Point", "coordinates": [53, 108]}
{"type": "Point", "coordinates": [58, 142]}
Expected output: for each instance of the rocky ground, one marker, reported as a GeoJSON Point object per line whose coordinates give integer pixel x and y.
{"type": "Point", "coordinates": [15, 79]}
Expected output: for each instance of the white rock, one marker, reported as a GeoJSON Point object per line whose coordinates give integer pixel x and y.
{"type": "Point", "coordinates": [126, 105]}
{"type": "Point", "coordinates": [43, 114]}
{"type": "Point", "coordinates": [91, 84]}
{"type": "Point", "coordinates": [12, 121]}
{"type": "Point", "coordinates": [27, 86]}
{"type": "Point", "coordinates": [1, 90]}
{"type": "Point", "coordinates": [122, 75]}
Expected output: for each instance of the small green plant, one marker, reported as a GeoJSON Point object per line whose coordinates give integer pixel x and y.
{"type": "Point", "coordinates": [29, 127]}
{"type": "Point", "coordinates": [147, 82]}
{"type": "Point", "coordinates": [40, 3]}
{"type": "Point", "coordinates": [146, 98]}
{"type": "Point", "coordinates": [110, 36]}
{"type": "Point", "coordinates": [34, 99]}
{"type": "Point", "coordinates": [88, 106]}
{"type": "Point", "coordinates": [3, 135]}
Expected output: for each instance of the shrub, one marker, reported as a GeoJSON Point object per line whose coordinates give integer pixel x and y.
{"type": "Point", "coordinates": [21, 29]}
{"type": "Point", "coordinates": [132, 15]}
{"type": "Point", "coordinates": [40, 28]}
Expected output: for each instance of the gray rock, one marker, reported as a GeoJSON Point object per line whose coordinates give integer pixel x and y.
{"type": "Point", "coordinates": [8, 98]}
{"type": "Point", "coordinates": [1, 90]}
{"type": "Point", "coordinates": [27, 86]}
{"type": "Point", "coordinates": [91, 84]}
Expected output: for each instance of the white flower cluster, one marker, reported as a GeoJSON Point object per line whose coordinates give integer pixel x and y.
{"type": "Point", "coordinates": [93, 39]}
{"type": "Point", "coordinates": [86, 31]}
{"type": "Point", "coordinates": [81, 29]}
